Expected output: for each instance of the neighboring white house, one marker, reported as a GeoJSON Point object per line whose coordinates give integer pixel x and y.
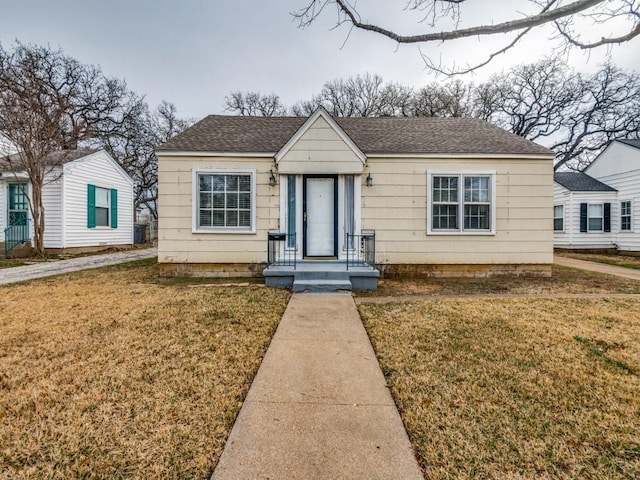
{"type": "Point", "coordinates": [88, 202]}
{"type": "Point", "coordinates": [599, 208]}
{"type": "Point", "coordinates": [445, 196]}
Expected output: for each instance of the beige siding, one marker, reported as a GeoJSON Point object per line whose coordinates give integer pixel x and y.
{"type": "Point", "coordinates": [396, 207]}
{"type": "Point", "coordinates": [100, 171]}
{"type": "Point", "coordinates": [320, 150]}
{"type": "Point", "coordinates": [178, 243]}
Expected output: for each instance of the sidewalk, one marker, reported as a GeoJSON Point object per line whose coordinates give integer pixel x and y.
{"type": "Point", "coordinates": [319, 407]}
{"type": "Point", "coordinates": [47, 269]}
{"type": "Point", "coordinates": [597, 267]}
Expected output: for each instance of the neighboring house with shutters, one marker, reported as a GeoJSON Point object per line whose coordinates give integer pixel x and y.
{"type": "Point", "coordinates": [600, 207]}
{"type": "Point", "coordinates": [88, 202]}
{"type": "Point", "coordinates": [406, 196]}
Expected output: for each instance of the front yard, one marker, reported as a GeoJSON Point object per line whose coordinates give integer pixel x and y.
{"type": "Point", "coordinates": [114, 373]}
{"type": "Point", "coordinates": [515, 388]}
{"type": "Point", "coordinates": [109, 374]}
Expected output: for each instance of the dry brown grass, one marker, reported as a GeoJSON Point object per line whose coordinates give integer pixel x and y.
{"type": "Point", "coordinates": [628, 261]}
{"type": "Point", "coordinates": [564, 281]}
{"type": "Point", "coordinates": [515, 388]}
{"type": "Point", "coordinates": [108, 374]}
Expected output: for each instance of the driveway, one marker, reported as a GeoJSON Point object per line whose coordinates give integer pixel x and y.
{"type": "Point", "coordinates": [47, 269]}
{"type": "Point", "coordinates": [597, 267]}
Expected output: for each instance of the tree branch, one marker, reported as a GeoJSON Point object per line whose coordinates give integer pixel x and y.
{"type": "Point", "coordinates": [545, 16]}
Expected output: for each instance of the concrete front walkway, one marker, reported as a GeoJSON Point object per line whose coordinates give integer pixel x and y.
{"type": "Point", "coordinates": [597, 267]}
{"type": "Point", "coordinates": [319, 407]}
{"type": "Point", "coordinates": [47, 269]}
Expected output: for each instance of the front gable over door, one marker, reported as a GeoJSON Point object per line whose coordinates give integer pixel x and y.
{"type": "Point", "coordinates": [320, 146]}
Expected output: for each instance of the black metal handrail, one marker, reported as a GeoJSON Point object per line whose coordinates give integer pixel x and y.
{"type": "Point", "coordinates": [16, 234]}
{"type": "Point", "coordinates": [282, 249]}
{"type": "Point", "coordinates": [363, 249]}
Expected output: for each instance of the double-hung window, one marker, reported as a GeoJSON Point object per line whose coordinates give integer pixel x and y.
{"type": "Point", "coordinates": [625, 215]}
{"type": "Point", "coordinates": [558, 218]}
{"type": "Point", "coordinates": [224, 200]}
{"type": "Point", "coordinates": [595, 217]}
{"type": "Point", "coordinates": [461, 203]}
{"type": "Point", "coordinates": [102, 207]}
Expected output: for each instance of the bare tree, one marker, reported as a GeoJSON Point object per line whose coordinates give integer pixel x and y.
{"type": "Point", "coordinates": [443, 100]}
{"type": "Point", "coordinates": [49, 103]}
{"type": "Point", "coordinates": [607, 15]}
{"type": "Point", "coordinates": [608, 109]}
{"type": "Point", "coordinates": [359, 96]}
{"type": "Point", "coordinates": [134, 144]}
{"type": "Point", "coordinates": [530, 100]}
{"type": "Point", "coordinates": [574, 115]}
{"type": "Point", "coordinates": [254, 104]}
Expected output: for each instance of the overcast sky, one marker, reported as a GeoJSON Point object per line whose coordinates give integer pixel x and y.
{"type": "Point", "coordinates": [194, 52]}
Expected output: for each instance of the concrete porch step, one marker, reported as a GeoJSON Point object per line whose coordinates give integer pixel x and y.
{"type": "Point", "coordinates": [321, 285]}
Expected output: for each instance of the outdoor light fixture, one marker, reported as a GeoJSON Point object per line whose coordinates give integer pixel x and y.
{"type": "Point", "coordinates": [369, 180]}
{"type": "Point", "coordinates": [272, 178]}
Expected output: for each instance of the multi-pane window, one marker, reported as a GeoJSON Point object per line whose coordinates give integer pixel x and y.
{"type": "Point", "coordinates": [461, 203]}
{"type": "Point", "coordinates": [445, 203]}
{"type": "Point", "coordinates": [476, 203]}
{"type": "Point", "coordinates": [625, 215]}
{"type": "Point", "coordinates": [595, 217]}
{"type": "Point", "coordinates": [224, 200]}
{"type": "Point", "coordinates": [558, 218]}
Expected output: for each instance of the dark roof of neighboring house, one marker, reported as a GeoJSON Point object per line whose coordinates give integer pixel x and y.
{"type": "Point", "coordinates": [630, 142]}
{"type": "Point", "coordinates": [59, 157]}
{"type": "Point", "coordinates": [580, 182]}
{"type": "Point", "coordinates": [383, 135]}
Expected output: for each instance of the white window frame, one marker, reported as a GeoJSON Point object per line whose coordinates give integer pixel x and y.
{"type": "Point", "coordinates": [96, 206]}
{"type": "Point", "coordinates": [556, 218]}
{"type": "Point", "coordinates": [461, 174]}
{"type": "Point", "coordinates": [195, 203]}
{"type": "Point", "coordinates": [630, 229]}
{"type": "Point", "coordinates": [589, 229]}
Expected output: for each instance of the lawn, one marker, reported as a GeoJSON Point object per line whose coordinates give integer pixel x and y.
{"type": "Point", "coordinates": [113, 374]}
{"type": "Point", "coordinates": [515, 388]}
{"type": "Point", "coordinates": [564, 281]}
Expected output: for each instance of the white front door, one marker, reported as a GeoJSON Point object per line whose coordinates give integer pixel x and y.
{"type": "Point", "coordinates": [319, 215]}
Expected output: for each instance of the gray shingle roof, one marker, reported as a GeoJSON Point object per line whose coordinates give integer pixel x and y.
{"type": "Point", "coordinates": [384, 135]}
{"type": "Point", "coordinates": [580, 182]}
{"type": "Point", "coordinates": [59, 157]}
{"type": "Point", "coordinates": [630, 142]}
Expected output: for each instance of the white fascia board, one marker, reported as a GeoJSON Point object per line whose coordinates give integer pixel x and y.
{"type": "Point", "coordinates": [321, 112]}
{"type": "Point", "coordinates": [495, 156]}
{"type": "Point", "coordinates": [216, 154]}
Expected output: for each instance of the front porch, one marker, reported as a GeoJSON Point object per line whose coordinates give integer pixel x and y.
{"type": "Point", "coordinates": [356, 271]}
{"type": "Point", "coordinates": [321, 276]}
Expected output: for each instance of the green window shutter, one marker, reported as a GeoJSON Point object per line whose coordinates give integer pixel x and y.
{"type": "Point", "coordinates": [114, 208]}
{"type": "Point", "coordinates": [91, 206]}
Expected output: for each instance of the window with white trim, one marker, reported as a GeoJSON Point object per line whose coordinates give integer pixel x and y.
{"type": "Point", "coordinates": [224, 201]}
{"type": "Point", "coordinates": [625, 215]}
{"type": "Point", "coordinates": [595, 217]}
{"type": "Point", "coordinates": [461, 203]}
{"type": "Point", "coordinates": [558, 218]}
{"type": "Point", "coordinates": [102, 207]}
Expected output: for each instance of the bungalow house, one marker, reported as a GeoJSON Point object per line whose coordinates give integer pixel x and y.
{"type": "Point", "coordinates": [88, 202]}
{"type": "Point", "coordinates": [598, 209]}
{"type": "Point", "coordinates": [280, 196]}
